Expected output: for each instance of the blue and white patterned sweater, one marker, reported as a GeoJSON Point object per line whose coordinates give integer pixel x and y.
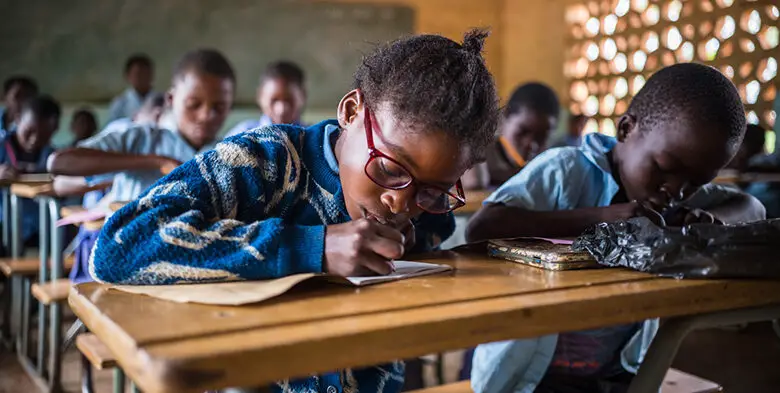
{"type": "Point", "coordinates": [255, 207]}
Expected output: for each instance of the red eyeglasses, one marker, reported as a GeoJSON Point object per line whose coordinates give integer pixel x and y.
{"type": "Point", "coordinates": [390, 174]}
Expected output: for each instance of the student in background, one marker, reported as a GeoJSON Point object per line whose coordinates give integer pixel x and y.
{"type": "Point", "coordinates": [343, 196]}
{"type": "Point", "coordinates": [752, 146]}
{"type": "Point", "coordinates": [281, 96]}
{"type": "Point", "coordinates": [750, 151]}
{"type": "Point", "coordinates": [26, 151]}
{"type": "Point", "coordinates": [83, 125]}
{"type": "Point", "coordinates": [682, 127]}
{"type": "Point", "coordinates": [149, 114]}
{"type": "Point", "coordinates": [200, 97]}
{"type": "Point", "coordinates": [17, 90]}
{"type": "Point", "coordinates": [573, 135]}
{"type": "Point", "coordinates": [529, 117]}
{"type": "Point", "coordinates": [139, 74]}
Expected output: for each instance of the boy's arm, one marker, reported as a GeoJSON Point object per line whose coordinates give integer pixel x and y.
{"type": "Point", "coordinates": [741, 208]}
{"type": "Point", "coordinates": [189, 227]}
{"type": "Point", "coordinates": [727, 204]}
{"type": "Point", "coordinates": [88, 162]}
{"type": "Point", "coordinates": [110, 152]}
{"type": "Point", "coordinates": [497, 221]}
{"type": "Point", "coordinates": [540, 201]}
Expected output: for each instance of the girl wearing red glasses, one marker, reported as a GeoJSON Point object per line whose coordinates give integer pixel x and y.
{"type": "Point", "coordinates": [343, 196]}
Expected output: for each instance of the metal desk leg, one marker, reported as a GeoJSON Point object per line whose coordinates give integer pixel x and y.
{"type": "Point", "coordinates": [6, 195]}
{"type": "Point", "coordinates": [55, 338]}
{"type": "Point", "coordinates": [17, 293]}
{"type": "Point", "coordinates": [43, 276]}
{"type": "Point", "coordinates": [5, 325]}
{"type": "Point", "coordinates": [23, 338]}
{"type": "Point", "coordinates": [16, 228]}
{"type": "Point", "coordinates": [119, 380]}
{"type": "Point", "coordinates": [673, 330]}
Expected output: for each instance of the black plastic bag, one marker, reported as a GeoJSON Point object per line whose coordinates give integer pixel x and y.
{"type": "Point", "coordinates": [694, 251]}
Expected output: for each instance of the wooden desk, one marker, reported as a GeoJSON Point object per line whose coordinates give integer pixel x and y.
{"type": "Point", "coordinates": [474, 200]}
{"type": "Point", "coordinates": [748, 178]}
{"type": "Point", "coordinates": [172, 347]}
{"type": "Point", "coordinates": [94, 225]}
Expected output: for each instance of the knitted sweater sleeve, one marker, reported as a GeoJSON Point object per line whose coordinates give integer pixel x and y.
{"type": "Point", "coordinates": [218, 217]}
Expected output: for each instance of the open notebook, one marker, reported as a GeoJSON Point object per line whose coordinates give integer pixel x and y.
{"type": "Point", "coordinates": [245, 292]}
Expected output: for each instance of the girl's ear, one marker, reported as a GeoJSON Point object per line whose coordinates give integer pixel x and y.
{"type": "Point", "coordinates": [349, 107]}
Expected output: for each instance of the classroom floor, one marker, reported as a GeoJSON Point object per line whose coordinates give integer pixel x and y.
{"type": "Point", "coordinates": [742, 361]}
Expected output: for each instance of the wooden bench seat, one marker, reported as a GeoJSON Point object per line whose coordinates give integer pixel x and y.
{"type": "Point", "coordinates": [675, 381]}
{"type": "Point", "coordinates": [95, 351]}
{"type": "Point", "coordinates": [27, 266]}
{"type": "Point", "coordinates": [52, 291]}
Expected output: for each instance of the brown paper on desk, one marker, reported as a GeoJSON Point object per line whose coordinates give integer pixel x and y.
{"type": "Point", "coordinates": [245, 292]}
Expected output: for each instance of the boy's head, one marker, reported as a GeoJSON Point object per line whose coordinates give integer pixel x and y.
{"type": "Point", "coordinates": [682, 127]}
{"type": "Point", "coordinates": [40, 119]}
{"type": "Point", "coordinates": [281, 94]}
{"type": "Point", "coordinates": [577, 123]}
{"type": "Point", "coordinates": [139, 73]}
{"type": "Point", "coordinates": [83, 124]}
{"type": "Point", "coordinates": [17, 90]}
{"type": "Point", "coordinates": [430, 105]}
{"type": "Point", "coordinates": [530, 115]}
{"type": "Point", "coordinates": [151, 110]}
{"type": "Point", "coordinates": [201, 95]}
{"type": "Point", "coordinates": [752, 145]}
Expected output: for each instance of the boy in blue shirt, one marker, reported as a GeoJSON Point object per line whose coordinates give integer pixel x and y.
{"type": "Point", "coordinates": [201, 96]}
{"type": "Point", "coordinates": [344, 196]}
{"type": "Point", "coordinates": [685, 124]}
{"type": "Point", "coordinates": [26, 151]}
{"type": "Point", "coordinates": [139, 74]}
{"type": "Point", "coordinates": [17, 90]}
{"type": "Point", "coordinates": [281, 96]}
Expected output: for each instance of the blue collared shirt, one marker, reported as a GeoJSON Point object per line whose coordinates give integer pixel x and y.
{"type": "Point", "coordinates": [126, 104]}
{"type": "Point", "coordinates": [139, 139]}
{"type": "Point", "coordinates": [9, 156]}
{"type": "Point", "coordinates": [563, 179]}
{"type": "Point", "coordinates": [250, 124]}
{"type": "Point", "coordinates": [4, 131]}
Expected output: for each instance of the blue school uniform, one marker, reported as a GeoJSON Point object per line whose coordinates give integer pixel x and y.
{"type": "Point", "coordinates": [251, 124]}
{"type": "Point", "coordinates": [126, 104]}
{"type": "Point", "coordinates": [564, 179]}
{"type": "Point", "coordinates": [127, 186]}
{"type": "Point", "coordinates": [11, 154]}
{"type": "Point", "coordinates": [5, 130]}
{"type": "Point", "coordinates": [255, 207]}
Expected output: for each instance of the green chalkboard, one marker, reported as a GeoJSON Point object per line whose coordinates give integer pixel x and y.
{"type": "Point", "coordinates": [76, 48]}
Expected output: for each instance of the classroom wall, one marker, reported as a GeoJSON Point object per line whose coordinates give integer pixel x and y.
{"type": "Point", "coordinates": [527, 41]}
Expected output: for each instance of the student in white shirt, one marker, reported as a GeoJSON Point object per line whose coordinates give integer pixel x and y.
{"type": "Point", "coordinates": [139, 73]}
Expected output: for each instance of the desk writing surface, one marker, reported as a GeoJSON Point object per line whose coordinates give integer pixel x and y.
{"type": "Point", "coordinates": [173, 347]}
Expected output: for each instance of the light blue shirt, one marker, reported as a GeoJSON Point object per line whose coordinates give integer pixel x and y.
{"type": "Point", "coordinates": [120, 124]}
{"type": "Point", "coordinates": [139, 139]}
{"type": "Point", "coordinates": [563, 179]}
{"type": "Point", "coordinates": [251, 124]}
{"type": "Point", "coordinates": [3, 130]}
{"type": "Point", "coordinates": [126, 104]}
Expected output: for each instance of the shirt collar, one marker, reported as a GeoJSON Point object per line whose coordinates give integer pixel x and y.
{"type": "Point", "coordinates": [331, 135]}
{"type": "Point", "coordinates": [595, 148]}
{"type": "Point", "coordinates": [266, 121]}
